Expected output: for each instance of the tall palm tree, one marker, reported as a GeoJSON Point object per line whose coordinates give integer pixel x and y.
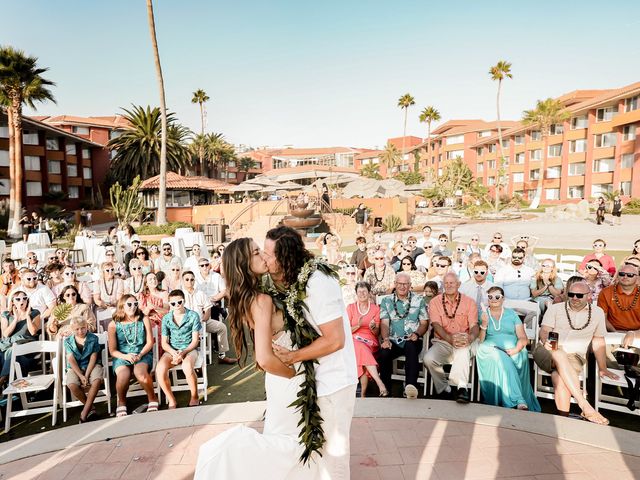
{"type": "Point", "coordinates": [429, 114]}
{"type": "Point", "coordinates": [21, 82]}
{"type": "Point", "coordinates": [404, 102]}
{"type": "Point", "coordinates": [499, 72]}
{"type": "Point", "coordinates": [200, 97]}
{"type": "Point", "coordinates": [245, 164]}
{"type": "Point", "coordinates": [547, 113]}
{"type": "Point", "coordinates": [390, 156]}
{"type": "Point", "coordinates": [198, 149]}
{"type": "Point", "coordinates": [371, 170]}
{"type": "Point", "coordinates": [161, 215]}
{"type": "Point", "coordinates": [138, 149]}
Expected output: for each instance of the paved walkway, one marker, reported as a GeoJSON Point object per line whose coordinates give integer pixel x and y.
{"type": "Point", "coordinates": [444, 441]}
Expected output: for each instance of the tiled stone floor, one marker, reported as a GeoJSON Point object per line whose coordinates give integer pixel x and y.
{"type": "Point", "coordinates": [381, 448]}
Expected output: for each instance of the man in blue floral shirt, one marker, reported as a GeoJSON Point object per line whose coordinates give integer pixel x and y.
{"type": "Point", "coordinates": [403, 322]}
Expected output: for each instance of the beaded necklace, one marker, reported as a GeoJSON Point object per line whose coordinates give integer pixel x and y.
{"type": "Point", "coordinates": [406, 310]}
{"type": "Point", "coordinates": [133, 281]}
{"type": "Point", "coordinates": [126, 332]}
{"type": "Point", "coordinates": [362, 315]}
{"type": "Point", "coordinates": [493, 322]}
{"type": "Point", "coordinates": [616, 300]}
{"type": "Point", "coordinates": [566, 310]}
{"type": "Point", "coordinates": [444, 306]}
{"type": "Point", "coordinates": [113, 286]}
{"type": "Point", "coordinates": [375, 273]}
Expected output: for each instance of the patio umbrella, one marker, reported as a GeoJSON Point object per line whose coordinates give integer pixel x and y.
{"type": "Point", "coordinates": [245, 187]}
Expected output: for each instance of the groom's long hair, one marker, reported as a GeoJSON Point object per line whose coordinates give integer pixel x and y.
{"type": "Point", "coordinates": [290, 252]}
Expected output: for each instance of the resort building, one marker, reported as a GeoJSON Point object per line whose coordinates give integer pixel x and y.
{"type": "Point", "coordinates": [54, 162]}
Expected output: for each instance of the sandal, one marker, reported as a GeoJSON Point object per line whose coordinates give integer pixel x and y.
{"type": "Point", "coordinates": [153, 407]}
{"type": "Point", "coordinates": [384, 393]}
{"type": "Point", "coordinates": [121, 411]}
{"type": "Point", "coordinates": [522, 406]}
{"type": "Point", "coordinates": [595, 417]}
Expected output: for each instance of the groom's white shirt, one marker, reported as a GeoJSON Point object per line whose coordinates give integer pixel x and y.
{"type": "Point", "coordinates": [324, 301]}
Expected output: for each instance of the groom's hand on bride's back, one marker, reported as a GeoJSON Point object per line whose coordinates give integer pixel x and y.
{"type": "Point", "coordinates": [285, 356]}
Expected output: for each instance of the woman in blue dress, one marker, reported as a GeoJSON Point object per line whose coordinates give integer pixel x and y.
{"type": "Point", "coordinates": [131, 346]}
{"type": "Point", "coordinates": [502, 359]}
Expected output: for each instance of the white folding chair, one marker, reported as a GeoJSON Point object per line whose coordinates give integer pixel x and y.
{"type": "Point", "coordinates": [398, 366]}
{"type": "Point", "coordinates": [103, 317]}
{"type": "Point", "coordinates": [525, 307]}
{"type": "Point", "coordinates": [104, 394]}
{"type": "Point", "coordinates": [577, 259]}
{"type": "Point", "coordinates": [472, 374]}
{"type": "Point", "coordinates": [32, 383]}
{"type": "Point", "coordinates": [608, 401]}
{"type": "Point", "coordinates": [546, 256]}
{"type": "Point", "coordinates": [85, 273]}
{"type": "Point", "coordinates": [180, 383]}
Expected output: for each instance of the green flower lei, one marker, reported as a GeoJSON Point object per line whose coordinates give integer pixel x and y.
{"type": "Point", "coordinates": [291, 303]}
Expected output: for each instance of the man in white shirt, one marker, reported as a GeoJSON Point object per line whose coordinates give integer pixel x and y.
{"type": "Point", "coordinates": [426, 238]}
{"type": "Point", "coordinates": [478, 285]}
{"type": "Point", "coordinates": [40, 296]}
{"type": "Point", "coordinates": [194, 299]}
{"type": "Point", "coordinates": [336, 375]}
{"type": "Point", "coordinates": [497, 240]}
{"type": "Point", "coordinates": [164, 262]}
{"type": "Point", "coordinates": [515, 278]}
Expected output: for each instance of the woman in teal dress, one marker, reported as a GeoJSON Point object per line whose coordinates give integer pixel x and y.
{"type": "Point", "coordinates": [131, 346]}
{"type": "Point", "coordinates": [502, 359]}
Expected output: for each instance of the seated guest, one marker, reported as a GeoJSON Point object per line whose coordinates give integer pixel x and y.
{"type": "Point", "coordinates": [423, 262]}
{"type": "Point", "coordinates": [130, 255]}
{"type": "Point", "coordinates": [454, 318]}
{"type": "Point", "coordinates": [578, 324]}
{"type": "Point", "coordinates": [443, 246]}
{"type": "Point", "coordinates": [398, 252]}
{"type": "Point", "coordinates": [497, 240]}
{"type": "Point", "coordinates": [380, 276]}
{"type": "Point", "coordinates": [119, 270]}
{"type": "Point", "coordinates": [40, 296]}
{"type": "Point", "coordinates": [131, 345]}
{"type": "Point", "coordinates": [195, 299]}
{"type": "Point", "coordinates": [477, 287]}
{"type": "Point", "coordinates": [413, 250]}
{"type": "Point", "coordinates": [10, 276]}
{"type": "Point", "coordinates": [69, 278]}
{"type": "Point", "coordinates": [108, 289]}
{"type": "Point", "coordinates": [191, 263]}
{"type": "Point", "coordinates": [441, 267]}
{"type": "Point", "coordinates": [474, 245]}
{"type": "Point", "coordinates": [596, 277]}
{"type": "Point", "coordinates": [426, 238]}
{"type": "Point", "coordinates": [84, 367]}
{"type": "Point", "coordinates": [417, 278]}
{"type": "Point", "coordinates": [459, 259]}
{"type": "Point", "coordinates": [59, 324]}
{"type": "Point", "coordinates": [34, 264]}
{"type": "Point", "coordinates": [142, 254]}
{"type": "Point", "coordinates": [135, 283]}
{"type": "Point", "coordinates": [430, 291]}
{"type": "Point", "coordinates": [180, 339]}
{"type": "Point", "coordinates": [154, 253]}
{"type": "Point", "coordinates": [173, 280]}
{"type": "Point", "coordinates": [349, 287]}
{"type": "Point", "coordinates": [364, 317]}
{"type": "Point", "coordinates": [607, 262]}
{"type": "Point", "coordinates": [164, 262]}
{"type": "Point", "coordinates": [546, 285]}
{"type": "Point", "coordinates": [466, 273]}
{"type": "Point", "coordinates": [502, 358]}
{"type": "Point", "coordinates": [63, 257]}
{"type": "Point", "coordinates": [53, 276]}
{"type": "Point", "coordinates": [360, 253]}
{"type": "Point", "coordinates": [515, 278]}
{"type": "Point", "coordinates": [403, 322]}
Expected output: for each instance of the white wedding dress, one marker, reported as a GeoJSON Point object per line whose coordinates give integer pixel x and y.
{"type": "Point", "coordinates": [243, 453]}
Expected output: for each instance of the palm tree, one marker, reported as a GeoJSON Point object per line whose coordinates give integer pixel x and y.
{"type": "Point", "coordinates": [390, 156]}
{"type": "Point", "coordinates": [429, 114]}
{"type": "Point", "coordinates": [404, 102]}
{"type": "Point", "coordinates": [21, 82]}
{"type": "Point", "coordinates": [499, 72]}
{"type": "Point", "coordinates": [198, 149]}
{"type": "Point", "coordinates": [138, 149]}
{"type": "Point", "coordinates": [371, 170]}
{"type": "Point", "coordinates": [547, 113]}
{"type": "Point", "coordinates": [245, 164]}
{"type": "Point", "coordinates": [161, 216]}
{"type": "Point", "coordinates": [200, 97]}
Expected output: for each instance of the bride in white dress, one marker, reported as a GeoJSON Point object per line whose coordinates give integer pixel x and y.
{"type": "Point", "coordinates": [241, 452]}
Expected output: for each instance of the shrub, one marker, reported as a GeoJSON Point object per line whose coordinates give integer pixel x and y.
{"type": "Point", "coordinates": [632, 207]}
{"type": "Point", "coordinates": [168, 229]}
{"type": "Point", "coordinates": [391, 223]}
{"type": "Point", "coordinates": [58, 229]}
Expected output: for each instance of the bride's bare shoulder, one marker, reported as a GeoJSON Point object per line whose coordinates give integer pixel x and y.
{"type": "Point", "coordinates": [262, 301]}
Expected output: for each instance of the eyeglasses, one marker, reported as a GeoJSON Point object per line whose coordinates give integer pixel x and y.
{"type": "Point", "coordinates": [351, 273]}
{"type": "Point", "coordinates": [31, 279]}
{"type": "Point", "coordinates": [426, 247]}
{"type": "Point", "coordinates": [378, 258]}
{"type": "Point", "coordinates": [32, 258]}
{"type": "Point", "coordinates": [166, 249]}
{"type": "Point", "coordinates": [517, 257]}
{"type": "Point", "coordinates": [475, 239]}
{"type": "Point", "coordinates": [402, 284]}
{"type": "Point", "coordinates": [406, 263]}
{"type": "Point", "coordinates": [108, 270]}
{"type": "Point", "coordinates": [111, 254]}
{"type": "Point", "coordinates": [551, 266]}
{"type": "Point", "coordinates": [135, 268]}
{"type": "Point", "coordinates": [591, 267]}
{"type": "Point", "coordinates": [20, 299]}
{"type": "Point", "coordinates": [176, 303]}
{"type": "Point", "coordinates": [626, 274]}
{"type": "Point", "coordinates": [132, 304]}
{"type": "Point", "coordinates": [460, 249]}
{"type": "Point", "coordinates": [443, 240]}
{"type": "Point", "coordinates": [480, 272]}
{"type": "Point", "coordinates": [495, 296]}
{"type": "Point", "coordinates": [575, 295]}
{"type": "Point", "coordinates": [497, 238]}
{"type": "Point", "coordinates": [70, 295]}
{"type": "Point", "coordinates": [189, 279]}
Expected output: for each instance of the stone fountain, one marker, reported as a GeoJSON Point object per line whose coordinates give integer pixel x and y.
{"type": "Point", "coordinates": [302, 216]}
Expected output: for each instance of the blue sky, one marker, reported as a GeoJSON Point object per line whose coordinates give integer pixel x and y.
{"type": "Point", "coordinates": [323, 73]}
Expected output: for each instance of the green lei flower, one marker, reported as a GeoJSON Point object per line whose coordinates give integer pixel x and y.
{"type": "Point", "coordinates": [291, 303]}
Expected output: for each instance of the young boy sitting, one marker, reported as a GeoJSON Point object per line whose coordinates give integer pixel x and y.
{"type": "Point", "coordinates": [180, 339]}
{"type": "Point", "coordinates": [83, 364]}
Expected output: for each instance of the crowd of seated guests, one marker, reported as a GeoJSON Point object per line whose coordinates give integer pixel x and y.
{"type": "Point", "coordinates": [459, 297]}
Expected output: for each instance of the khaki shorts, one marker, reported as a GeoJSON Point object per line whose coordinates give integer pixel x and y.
{"type": "Point", "coordinates": [193, 355]}
{"type": "Point", "coordinates": [96, 373]}
{"type": "Point", "coordinates": [544, 360]}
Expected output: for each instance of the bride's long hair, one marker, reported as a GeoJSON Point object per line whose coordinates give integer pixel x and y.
{"type": "Point", "coordinates": [242, 288]}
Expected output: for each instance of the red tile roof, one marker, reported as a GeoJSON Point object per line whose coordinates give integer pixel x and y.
{"type": "Point", "coordinates": [177, 182]}
{"type": "Point", "coordinates": [113, 121]}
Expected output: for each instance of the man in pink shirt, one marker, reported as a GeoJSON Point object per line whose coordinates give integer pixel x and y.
{"type": "Point", "coordinates": [454, 318]}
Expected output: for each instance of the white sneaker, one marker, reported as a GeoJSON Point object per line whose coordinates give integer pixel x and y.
{"type": "Point", "coordinates": [410, 391]}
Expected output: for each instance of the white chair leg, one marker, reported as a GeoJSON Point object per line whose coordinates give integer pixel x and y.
{"type": "Point", "coordinates": [7, 424]}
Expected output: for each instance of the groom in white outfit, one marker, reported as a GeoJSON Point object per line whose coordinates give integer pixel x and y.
{"type": "Point", "coordinates": [336, 375]}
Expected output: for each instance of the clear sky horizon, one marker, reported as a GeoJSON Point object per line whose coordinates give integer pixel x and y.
{"type": "Point", "coordinates": [316, 74]}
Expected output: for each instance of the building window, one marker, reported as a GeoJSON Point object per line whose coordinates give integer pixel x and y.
{"type": "Point", "coordinates": [53, 144]}
{"type": "Point", "coordinates": [599, 189]}
{"type": "Point", "coordinates": [491, 164]}
{"type": "Point", "coordinates": [578, 146]}
{"type": "Point", "coordinates": [605, 140]}
{"type": "Point", "coordinates": [519, 158]}
{"type": "Point", "coordinates": [552, 193]}
{"type": "Point", "coordinates": [455, 139]}
{"type": "Point", "coordinates": [628, 133]}
{"type": "Point", "coordinates": [555, 150]}
{"type": "Point", "coordinates": [86, 153]}
{"type": "Point", "coordinates": [536, 154]}
{"type": "Point", "coordinates": [233, 174]}
{"type": "Point", "coordinates": [480, 150]}
{"type": "Point", "coordinates": [606, 114]}
{"type": "Point", "coordinates": [70, 149]}
{"type": "Point", "coordinates": [232, 164]}
{"type": "Point", "coordinates": [72, 170]}
{"type": "Point", "coordinates": [576, 169]}
{"type": "Point", "coordinates": [365, 161]}
{"type": "Point", "coordinates": [532, 193]}
{"type": "Point", "coordinates": [491, 148]}
{"type": "Point", "coordinates": [536, 136]}
{"type": "Point", "coordinates": [579, 122]}
{"type": "Point", "coordinates": [5, 189]}
{"type": "Point", "coordinates": [4, 158]}
{"type": "Point", "coordinates": [631, 104]}
{"type": "Point", "coordinates": [480, 167]}
{"type": "Point", "coordinates": [4, 130]}
{"type": "Point", "coordinates": [74, 192]}
{"type": "Point", "coordinates": [626, 161]}
{"type": "Point", "coordinates": [439, 172]}
{"type": "Point", "coordinates": [505, 143]}
{"type": "Point", "coordinates": [115, 134]}
{"type": "Point", "coordinates": [625, 188]}
{"type": "Point", "coordinates": [518, 177]}
{"type": "Point", "coordinates": [576, 191]}
{"type": "Point", "coordinates": [484, 133]}
{"type": "Point", "coordinates": [556, 129]}
{"type": "Point", "coordinates": [55, 167]}
{"type": "Point", "coordinates": [534, 174]}
{"type": "Point", "coordinates": [518, 139]}
{"type": "Point", "coordinates": [30, 138]}
{"type": "Point", "coordinates": [554, 172]}
{"type": "Point", "coordinates": [491, 180]}
{"type": "Point", "coordinates": [34, 189]}
{"type": "Point", "coordinates": [55, 187]}
{"type": "Point", "coordinates": [32, 163]}
{"type": "Point", "coordinates": [455, 154]}
{"type": "Point", "coordinates": [603, 165]}
{"type": "Point", "coordinates": [80, 130]}
{"type": "Point", "coordinates": [86, 173]}
{"type": "Point", "coordinates": [376, 161]}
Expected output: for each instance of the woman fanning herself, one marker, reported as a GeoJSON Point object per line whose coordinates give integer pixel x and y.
{"type": "Point", "coordinates": [276, 450]}
{"type": "Point", "coordinates": [503, 362]}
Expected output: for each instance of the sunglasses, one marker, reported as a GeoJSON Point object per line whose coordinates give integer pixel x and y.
{"type": "Point", "coordinates": [189, 279]}
{"type": "Point", "coordinates": [406, 263]}
{"type": "Point", "coordinates": [135, 268]}
{"type": "Point", "coordinates": [626, 274]}
{"type": "Point", "coordinates": [32, 258]}
{"type": "Point", "coordinates": [575, 295]}
{"type": "Point", "coordinates": [69, 274]}
{"type": "Point", "coordinates": [480, 272]}
{"type": "Point", "coordinates": [132, 304]}
{"type": "Point", "coordinates": [166, 249]}
{"type": "Point", "coordinates": [517, 257]}
{"type": "Point", "coordinates": [475, 239]}
{"type": "Point", "coordinates": [497, 238]}
{"type": "Point", "coordinates": [426, 247]}
{"type": "Point", "coordinates": [378, 258]}
{"type": "Point", "coordinates": [111, 254]}
{"type": "Point", "coordinates": [202, 265]}
{"type": "Point", "coordinates": [20, 299]}
{"type": "Point", "coordinates": [497, 296]}
{"type": "Point", "coordinates": [460, 249]}
{"type": "Point", "coordinates": [591, 267]}
{"type": "Point", "coordinates": [31, 279]}
{"type": "Point", "coordinates": [70, 295]}
{"type": "Point", "coordinates": [139, 253]}
{"type": "Point", "coordinates": [353, 273]}
{"type": "Point", "coordinates": [441, 266]}
{"type": "Point", "coordinates": [175, 269]}
{"type": "Point", "coordinates": [598, 245]}
{"type": "Point", "coordinates": [220, 248]}
{"type": "Point", "coordinates": [176, 303]}
{"type": "Point", "coordinates": [108, 270]}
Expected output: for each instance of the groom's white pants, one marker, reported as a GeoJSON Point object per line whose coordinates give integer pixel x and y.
{"type": "Point", "coordinates": [337, 411]}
